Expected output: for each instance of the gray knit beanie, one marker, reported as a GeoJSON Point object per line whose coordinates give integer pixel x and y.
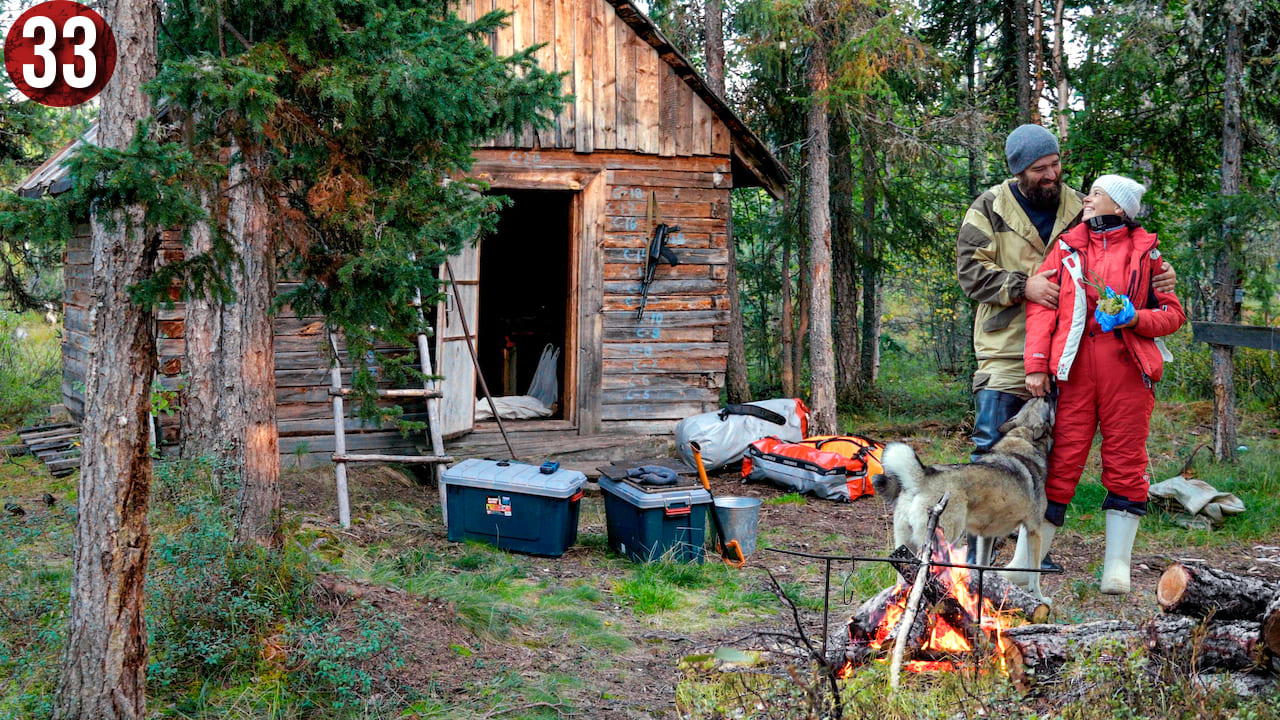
{"type": "Point", "coordinates": [1028, 144]}
{"type": "Point", "coordinates": [1125, 192]}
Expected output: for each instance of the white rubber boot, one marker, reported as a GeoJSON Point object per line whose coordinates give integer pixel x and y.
{"type": "Point", "coordinates": [1122, 528]}
{"type": "Point", "coordinates": [1021, 555]}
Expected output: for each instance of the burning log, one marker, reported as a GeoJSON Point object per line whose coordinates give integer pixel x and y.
{"type": "Point", "coordinates": [1231, 645]}
{"type": "Point", "coordinates": [1033, 652]}
{"type": "Point", "coordinates": [1200, 591]}
{"type": "Point", "coordinates": [1006, 596]}
{"type": "Point", "coordinates": [917, 589]}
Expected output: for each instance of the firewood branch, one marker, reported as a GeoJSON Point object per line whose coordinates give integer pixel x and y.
{"type": "Point", "coordinates": [917, 590]}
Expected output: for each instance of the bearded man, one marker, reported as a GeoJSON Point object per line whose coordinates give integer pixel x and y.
{"type": "Point", "coordinates": [1001, 243]}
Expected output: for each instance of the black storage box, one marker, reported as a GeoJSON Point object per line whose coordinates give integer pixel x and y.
{"type": "Point", "coordinates": [655, 523]}
{"type": "Point", "coordinates": [513, 505]}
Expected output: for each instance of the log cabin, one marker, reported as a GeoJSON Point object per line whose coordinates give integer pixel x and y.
{"type": "Point", "coordinates": [641, 123]}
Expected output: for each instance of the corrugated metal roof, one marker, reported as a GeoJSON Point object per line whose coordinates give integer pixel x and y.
{"type": "Point", "coordinates": [53, 176]}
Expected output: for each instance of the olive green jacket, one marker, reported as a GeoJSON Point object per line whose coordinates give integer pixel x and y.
{"type": "Point", "coordinates": [997, 249]}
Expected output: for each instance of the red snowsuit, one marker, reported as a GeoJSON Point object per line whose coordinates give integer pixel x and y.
{"type": "Point", "coordinates": [1104, 378]}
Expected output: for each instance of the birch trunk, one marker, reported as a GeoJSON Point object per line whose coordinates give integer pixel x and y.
{"type": "Point", "coordinates": [104, 662]}
{"type": "Point", "coordinates": [1037, 59]}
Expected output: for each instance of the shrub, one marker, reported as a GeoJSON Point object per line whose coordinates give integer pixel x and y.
{"type": "Point", "coordinates": [30, 368]}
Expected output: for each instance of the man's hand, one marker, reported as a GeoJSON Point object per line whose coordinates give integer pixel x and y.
{"type": "Point", "coordinates": [1041, 288]}
{"type": "Point", "coordinates": [1165, 282]}
{"type": "Point", "coordinates": [1038, 384]}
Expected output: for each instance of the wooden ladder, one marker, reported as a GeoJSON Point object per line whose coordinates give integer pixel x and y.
{"type": "Point", "coordinates": [429, 392]}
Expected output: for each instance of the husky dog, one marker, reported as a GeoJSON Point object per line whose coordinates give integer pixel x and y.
{"type": "Point", "coordinates": [990, 497]}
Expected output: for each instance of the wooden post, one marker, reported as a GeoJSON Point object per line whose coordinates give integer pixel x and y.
{"type": "Point", "coordinates": [339, 436]}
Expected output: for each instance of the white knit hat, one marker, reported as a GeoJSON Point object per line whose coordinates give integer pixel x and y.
{"type": "Point", "coordinates": [1125, 192]}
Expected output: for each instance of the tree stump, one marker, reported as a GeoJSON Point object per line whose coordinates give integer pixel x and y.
{"type": "Point", "coordinates": [1271, 625]}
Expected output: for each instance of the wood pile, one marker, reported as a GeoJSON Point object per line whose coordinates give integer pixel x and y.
{"type": "Point", "coordinates": [1211, 621]}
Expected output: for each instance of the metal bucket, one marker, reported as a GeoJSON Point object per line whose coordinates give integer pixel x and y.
{"type": "Point", "coordinates": [740, 518]}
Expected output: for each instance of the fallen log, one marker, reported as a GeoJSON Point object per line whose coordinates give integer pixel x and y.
{"type": "Point", "coordinates": [1271, 625]}
{"type": "Point", "coordinates": [1035, 652]}
{"type": "Point", "coordinates": [1227, 645]}
{"type": "Point", "coordinates": [1242, 684]}
{"type": "Point", "coordinates": [1200, 591]}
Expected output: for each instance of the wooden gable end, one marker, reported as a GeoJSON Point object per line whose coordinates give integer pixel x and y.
{"type": "Point", "coordinates": [625, 97]}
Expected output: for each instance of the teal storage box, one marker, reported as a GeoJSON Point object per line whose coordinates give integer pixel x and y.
{"type": "Point", "coordinates": [655, 522]}
{"type": "Point", "coordinates": [513, 506]}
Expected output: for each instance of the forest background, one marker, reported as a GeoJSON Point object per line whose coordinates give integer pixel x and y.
{"type": "Point", "coordinates": [891, 117]}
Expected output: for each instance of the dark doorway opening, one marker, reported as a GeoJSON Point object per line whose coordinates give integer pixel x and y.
{"type": "Point", "coordinates": [524, 292]}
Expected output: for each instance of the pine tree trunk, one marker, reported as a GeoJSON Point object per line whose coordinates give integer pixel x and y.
{"type": "Point", "coordinates": [1059, 71]}
{"type": "Point", "coordinates": [870, 275]}
{"type": "Point", "coordinates": [202, 431]}
{"type": "Point", "coordinates": [258, 514]}
{"type": "Point", "coordinates": [737, 384]}
{"type": "Point", "coordinates": [787, 322]}
{"type": "Point", "coordinates": [104, 661]}
{"type": "Point", "coordinates": [802, 340]}
{"type": "Point", "coordinates": [1224, 274]}
{"type": "Point", "coordinates": [822, 386]}
{"type": "Point", "coordinates": [844, 262]}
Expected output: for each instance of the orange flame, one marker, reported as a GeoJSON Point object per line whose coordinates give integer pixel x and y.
{"type": "Point", "coordinates": [942, 637]}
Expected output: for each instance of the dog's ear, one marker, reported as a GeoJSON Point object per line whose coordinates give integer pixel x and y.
{"type": "Point", "coordinates": [885, 486]}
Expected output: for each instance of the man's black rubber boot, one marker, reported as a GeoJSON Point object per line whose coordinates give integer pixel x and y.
{"type": "Point", "coordinates": [1049, 564]}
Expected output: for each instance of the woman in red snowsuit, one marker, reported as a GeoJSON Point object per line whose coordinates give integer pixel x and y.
{"type": "Point", "coordinates": [1104, 379]}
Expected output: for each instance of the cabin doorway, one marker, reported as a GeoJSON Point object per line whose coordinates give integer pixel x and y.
{"type": "Point", "coordinates": [525, 295]}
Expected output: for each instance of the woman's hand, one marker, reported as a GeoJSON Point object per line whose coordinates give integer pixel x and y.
{"type": "Point", "coordinates": [1165, 280]}
{"type": "Point", "coordinates": [1038, 384]}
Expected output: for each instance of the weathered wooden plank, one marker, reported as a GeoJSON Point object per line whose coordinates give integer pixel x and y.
{"type": "Point", "coordinates": [679, 240]}
{"type": "Point", "coordinates": [322, 426]}
{"type": "Point", "coordinates": [390, 440]}
{"type": "Point", "coordinates": [687, 256]}
{"type": "Point", "coordinates": [702, 130]}
{"type": "Point", "coordinates": [707, 286]}
{"type": "Point", "coordinates": [672, 211]}
{"type": "Point", "coordinates": [671, 303]}
{"type": "Point", "coordinates": [1251, 336]}
{"type": "Point", "coordinates": [626, 43]}
{"type": "Point", "coordinates": [684, 119]}
{"type": "Point", "coordinates": [665, 381]}
{"type": "Point", "coordinates": [565, 52]}
{"type": "Point", "coordinates": [590, 301]}
{"type": "Point", "coordinates": [652, 411]}
{"type": "Point", "coordinates": [667, 350]}
{"type": "Point", "coordinates": [647, 333]}
{"type": "Point", "coordinates": [544, 24]}
{"type": "Point", "coordinates": [504, 45]}
{"type": "Point", "coordinates": [567, 158]}
{"type": "Point", "coordinates": [583, 87]}
{"type": "Point", "coordinates": [604, 76]}
{"type": "Point", "coordinates": [668, 194]}
{"type": "Point", "coordinates": [689, 318]}
{"type": "Point", "coordinates": [669, 112]}
{"type": "Point", "coordinates": [640, 427]}
{"type": "Point", "coordinates": [666, 365]}
{"type": "Point", "coordinates": [721, 138]}
{"type": "Point", "coordinates": [670, 178]}
{"type": "Point", "coordinates": [633, 271]}
{"type": "Point", "coordinates": [522, 30]}
{"type": "Point", "coordinates": [648, 99]}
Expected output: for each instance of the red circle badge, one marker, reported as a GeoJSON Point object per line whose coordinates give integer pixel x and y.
{"type": "Point", "coordinates": [60, 53]}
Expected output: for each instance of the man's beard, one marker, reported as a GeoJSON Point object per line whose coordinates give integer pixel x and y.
{"type": "Point", "coordinates": [1042, 195]}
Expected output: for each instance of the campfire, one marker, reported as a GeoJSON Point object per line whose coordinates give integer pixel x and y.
{"type": "Point", "coordinates": [956, 619]}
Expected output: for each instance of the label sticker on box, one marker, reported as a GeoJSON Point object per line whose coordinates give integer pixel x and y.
{"type": "Point", "coordinates": [500, 505]}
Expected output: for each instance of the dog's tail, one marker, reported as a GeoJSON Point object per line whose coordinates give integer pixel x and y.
{"type": "Point", "coordinates": [902, 470]}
